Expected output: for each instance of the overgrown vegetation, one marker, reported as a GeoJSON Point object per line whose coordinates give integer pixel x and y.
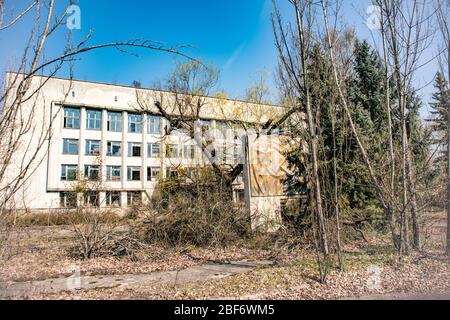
{"type": "Point", "coordinates": [197, 211]}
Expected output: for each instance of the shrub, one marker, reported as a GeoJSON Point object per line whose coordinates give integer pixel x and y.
{"type": "Point", "coordinates": [198, 212]}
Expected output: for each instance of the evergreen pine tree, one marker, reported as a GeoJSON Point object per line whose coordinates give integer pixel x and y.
{"type": "Point", "coordinates": [439, 115]}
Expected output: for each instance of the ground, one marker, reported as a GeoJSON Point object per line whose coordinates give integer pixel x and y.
{"type": "Point", "coordinates": [40, 255]}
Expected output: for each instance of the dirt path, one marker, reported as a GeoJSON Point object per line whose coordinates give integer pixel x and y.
{"type": "Point", "coordinates": [79, 282]}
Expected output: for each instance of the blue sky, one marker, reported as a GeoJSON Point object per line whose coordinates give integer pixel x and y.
{"type": "Point", "coordinates": [234, 35]}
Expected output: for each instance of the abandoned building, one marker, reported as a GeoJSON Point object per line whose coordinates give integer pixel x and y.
{"type": "Point", "coordinates": [92, 131]}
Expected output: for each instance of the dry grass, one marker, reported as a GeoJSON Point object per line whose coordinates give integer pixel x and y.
{"type": "Point", "coordinates": [38, 253]}
{"type": "Point", "coordinates": [42, 252]}
{"type": "Point", "coordinates": [297, 280]}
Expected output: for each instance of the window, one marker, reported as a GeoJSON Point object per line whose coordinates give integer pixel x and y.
{"type": "Point", "coordinates": [205, 125]}
{"type": "Point", "coordinates": [69, 172]}
{"type": "Point", "coordinates": [114, 121]}
{"type": "Point", "coordinates": [153, 173]}
{"type": "Point", "coordinates": [153, 124]}
{"type": "Point", "coordinates": [167, 126]}
{"type": "Point", "coordinates": [134, 198]}
{"type": "Point", "coordinates": [222, 128]}
{"type": "Point", "coordinates": [92, 172]}
{"type": "Point", "coordinates": [92, 147]}
{"type": "Point", "coordinates": [172, 151]}
{"type": "Point", "coordinates": [92, 199]}
{"type": "Point", "coordinates": [70, 146]}
{"type": "Point", "coordinates": [68, 199]}
{"type": "Point", "coordinates": [239, 196]}
{"type": "Point", "coordinates": [237, 154]}
{"type": "Point", "coordinates": [113, 173]}
{"type": "Point", "coordinates": [134, 173]}
{"type": "Point", "coordinates": [153, 150]}
{"type": "Point", "coordinates": [93, 119]}
{"type": "Point", "coordinates": [114, 148]}
{"type": "Point", "coordinates": [238, 131]}
{"type": "Point", "coordinates": [220, 153]}
{"type": "Point", "coordinates": [113, 199]}
{"type": "Point", "coordinates": [71, 118]}
{"type": "Point", "coordinates": [171, 172]}
{"type": "Point", "coordinates": [134, 149]}
{"type": "Point", "coordinates": [189, 151]}
{"type": "Point", "coordinates": [134, 123]}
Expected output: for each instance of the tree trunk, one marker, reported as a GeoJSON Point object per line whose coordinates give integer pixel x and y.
{"type": "Point", "coordinates": [448, 158]}
{"type": "Point", "coordinates": [313, 139]}
{"type": "Point", "coordinates": [390, 216]}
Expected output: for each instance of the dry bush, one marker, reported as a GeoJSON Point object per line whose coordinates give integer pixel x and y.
{"type": "Point", "coordinates": [95, 229]}
{"type": "Point", "coordinates": [198, 212]}
{"type": "Point", "coordinates": [58, 218]}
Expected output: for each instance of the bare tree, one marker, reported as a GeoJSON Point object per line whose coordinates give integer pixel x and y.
{"type": "Point", "coordinates": [293, 47]}
{"type": "Point", "coordinates": [442, 8]}
{"type": "Point", "coordinates": [21, 96]}
{"type": "Point", "coordinates": [186, 98]}
{"type": "Point", "coordinates": [408, 34]}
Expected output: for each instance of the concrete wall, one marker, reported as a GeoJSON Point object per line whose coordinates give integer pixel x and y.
{"type": "Point", "coordinates": [43, 185]}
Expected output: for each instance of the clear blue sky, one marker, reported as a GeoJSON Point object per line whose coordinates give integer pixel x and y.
{"type": "Point", "coordinates": [234, 35]}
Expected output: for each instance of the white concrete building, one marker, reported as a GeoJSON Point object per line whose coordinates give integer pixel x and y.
{"type": "Point", "coordinates": [96, 131]}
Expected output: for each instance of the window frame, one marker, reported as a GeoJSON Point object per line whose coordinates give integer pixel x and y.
{"type": "Point", "coordinates": [130, 198]}
{"type": "Point", "coordinates": [95, 119]}
{"type": "Point", "coordinates": [136, 120]}
{"type": "Point", "coordinates": [72, 114]}
{"type": "Point", "coordinates": [151, 149]}
{"type": "Point", "coordinates": [64, 199]}
{"type": "Point", "coordinates": [131, 145]}
{"type": "Point", "coordinates": [170, 170]}
{"type": "Point", "coordinates": [191, 149]}
{"type": "Point", "coordinates": [109, 146]}
{"type": "Point", "coordinates": [66, 146]}
{"type": "Point", "coordinates": [109, 173]}
{"type": "Point", "coordinates": [116, 118]}
{"type": "Point", "coordinates": [223, 127]}
{"type": "Point", "coordinates": [88, 145]}
{"type": "Point", "coordinates": [88, 168]}
{"type": "Point", "coordinates": [108, 199]}
{"type": "Point", "coordinates": [87, 199]}
{"type": "Point", "coordinates": [65, 172]}
{"type": "Point", "coordinates": [130, 170]}
{"type": "Point", "coordinates": [151, 177]}
{"type": "Point", "coordinates": [174, 146]}
{"type": "Point", "coordinates": [153, 124]}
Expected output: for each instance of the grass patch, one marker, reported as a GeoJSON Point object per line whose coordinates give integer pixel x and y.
{"type": "Point", "coordinates": [54, 219]}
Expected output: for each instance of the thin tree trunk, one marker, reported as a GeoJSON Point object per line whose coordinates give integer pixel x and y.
{"type": "Point", "coordinates": [404, 216]}
{"type": "Point", "coordinates": [380, 192]}
{"type": "Point", "coordinates": [335, 194]}
{"type": "Point", "coordinates": [391, 215]}
{"type": "Point", "coordinates": [313, 140]}
{"type": "Point", "coordinates": [413, 201]}
{"type": "Point", "coordinates": [448, 158]}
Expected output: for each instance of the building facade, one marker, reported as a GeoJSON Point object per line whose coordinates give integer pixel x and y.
{"type": "Point", "coordinates": [99, 134]}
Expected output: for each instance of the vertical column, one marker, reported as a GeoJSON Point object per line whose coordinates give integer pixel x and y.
{"type": "Point", "coordinates": [81, 149]}
{"type": "Point", "coordinates": [123, 199]}
{"type": "Point", "coordinates": [102, 199]}
{"type": "Point", "coordinates": [123, 176]}
{"type": "Point", "coordinates": [82, 142]}
{"type": "Point", "coordinates": [103, 147]}
{"type": "Point", "coordinates": [144, 150]}
{"type": "Point", "coordinates": [162, 131]}
{"type": "Point", "coordinates": [163, 150]}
